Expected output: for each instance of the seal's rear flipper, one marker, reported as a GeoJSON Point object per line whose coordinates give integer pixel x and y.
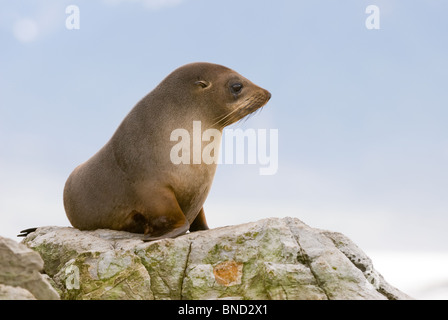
{"type": "Point", "coordinates": [26, 232]}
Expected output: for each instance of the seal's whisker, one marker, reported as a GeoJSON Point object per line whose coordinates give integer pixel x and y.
{"type": "Point", "coordinates": [227, 115]}
{"type": "Point", "coordinates": [252, 101]}
{"type": "Point", "coordinates": [236, 109]}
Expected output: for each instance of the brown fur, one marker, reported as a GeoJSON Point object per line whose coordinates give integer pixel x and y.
{"type": "Point", "coordinates": [131, 184]}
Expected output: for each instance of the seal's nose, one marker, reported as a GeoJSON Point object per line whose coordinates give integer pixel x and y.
{"type": "Point", "coordinates": [268, 95]}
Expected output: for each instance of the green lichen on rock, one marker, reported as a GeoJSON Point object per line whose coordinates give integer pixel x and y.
{"type": "Point", "coordinates": [53, 256]}
{"type": "Point", "coordinates": [105, 276]}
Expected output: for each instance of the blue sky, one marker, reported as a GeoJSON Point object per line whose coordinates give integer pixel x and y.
{"type": "Point", "coordinates": [361, 114]}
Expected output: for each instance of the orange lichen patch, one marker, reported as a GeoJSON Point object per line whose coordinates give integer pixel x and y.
{"type": "Point", "coordinates": [228, 273]}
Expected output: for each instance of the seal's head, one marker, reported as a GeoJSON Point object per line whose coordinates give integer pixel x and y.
{"type": "Point", "coordinates": [221, 95]}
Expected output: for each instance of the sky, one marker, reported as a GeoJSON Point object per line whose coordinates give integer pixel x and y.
{"type": "Point", "coordinates": [360, 113]}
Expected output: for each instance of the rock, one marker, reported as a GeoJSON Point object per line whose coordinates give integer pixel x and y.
{"type": "Point", "coordinates": [20, 276]}
{"type": "Point", "coordinates": [268, 259]}
{"type": "Point", "coordinates": [15, 293]}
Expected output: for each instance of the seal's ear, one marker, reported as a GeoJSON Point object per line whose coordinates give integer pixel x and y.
{"type": "Point", "coordinates": [204, 84]}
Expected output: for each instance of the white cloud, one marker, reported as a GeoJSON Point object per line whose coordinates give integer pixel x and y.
{"type": "Point", "coordinates": [48, 18]}
{"type": "Point", "coordinates": [36, 24]}
{"type": "Point", "coordinates": [150, 4]}
{"type": "Point", "coordinates": [25, 30]}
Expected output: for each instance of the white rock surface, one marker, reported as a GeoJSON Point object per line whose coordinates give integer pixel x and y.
{"type": "Point", "coordinates": [20, 273]}
{"type": "Point", "coordinates": [268, 259]}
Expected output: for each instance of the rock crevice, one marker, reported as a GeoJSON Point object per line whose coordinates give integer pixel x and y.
{"type": "Point", "coordinates": [305, 260]}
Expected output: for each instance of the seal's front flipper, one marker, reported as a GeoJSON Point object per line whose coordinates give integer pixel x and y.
{"type": "Point", "coordinates": [164, 218]}
{"type": "Point", "coordinates": [177, 231]}
{"type": "Point", "coordinates": [26, 232]}
{"type": "Point", "coordinates": [199, 223]}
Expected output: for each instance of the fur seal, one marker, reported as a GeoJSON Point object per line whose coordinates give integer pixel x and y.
{"type": "Point", "coordinates": [131, 184]}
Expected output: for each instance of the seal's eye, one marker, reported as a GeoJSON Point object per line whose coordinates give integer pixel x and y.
{"type": "Point", "coordinates": [236, 88]}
